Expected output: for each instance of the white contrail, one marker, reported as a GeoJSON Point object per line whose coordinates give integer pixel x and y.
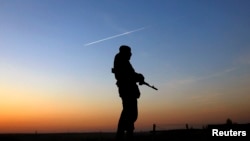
{"type": "Point", "coordinates": [111, 37]}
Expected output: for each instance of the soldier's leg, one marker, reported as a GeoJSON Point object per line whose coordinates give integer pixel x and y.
{"type": "Point", "coordinates": [122, 123]}
{"type": "Point", "coordinates": [132, 117]}
{"type": "Point", "coordinates": [120, 130]}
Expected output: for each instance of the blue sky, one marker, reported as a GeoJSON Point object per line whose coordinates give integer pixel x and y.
{"type": "Point", "coordinates": [195, 52]}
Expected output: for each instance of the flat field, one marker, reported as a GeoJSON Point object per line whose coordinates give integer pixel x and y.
{"type": "Point", "coordinates": [168, 135]}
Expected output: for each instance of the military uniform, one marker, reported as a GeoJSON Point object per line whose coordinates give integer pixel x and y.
{"type": "Point", "coordinates": [128, 89]}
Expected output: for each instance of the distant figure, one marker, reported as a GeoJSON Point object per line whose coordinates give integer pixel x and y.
{"type": "Point", "coordinates": [129, 92]}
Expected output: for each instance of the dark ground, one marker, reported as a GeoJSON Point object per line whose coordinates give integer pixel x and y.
{"type": "Point", "coordinates": [169, 135]}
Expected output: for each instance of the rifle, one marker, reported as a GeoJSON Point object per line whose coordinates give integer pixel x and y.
{"type": "Point", "coordinates": [142, 82]}
{"type": "Point", "coordinates": [145, 83]}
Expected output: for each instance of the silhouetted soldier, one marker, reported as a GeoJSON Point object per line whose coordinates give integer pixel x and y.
{"type": "Point", "coordinates": [128, 91]}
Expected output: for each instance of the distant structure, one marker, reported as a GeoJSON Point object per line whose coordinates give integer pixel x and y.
{"type": "Point", "coordinates": [229, 121]}
{"type": "Point", "coordinates": [154, 128]}
{"type": "Point", "coordinates": [230, 125]}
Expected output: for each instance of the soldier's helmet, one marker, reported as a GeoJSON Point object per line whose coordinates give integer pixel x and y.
{"type": "Point", "coordinates": [124, 48]}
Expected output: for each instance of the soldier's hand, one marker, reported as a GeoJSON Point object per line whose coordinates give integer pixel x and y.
{"type": "Point", "coordinates": [140, 79]}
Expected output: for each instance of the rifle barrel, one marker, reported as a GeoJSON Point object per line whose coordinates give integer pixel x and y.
{"type": "Point", "coordinates": [150, 85]}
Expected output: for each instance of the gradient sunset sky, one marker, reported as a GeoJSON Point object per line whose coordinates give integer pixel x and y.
{"type": "Point", "coordinates": [56, 58]}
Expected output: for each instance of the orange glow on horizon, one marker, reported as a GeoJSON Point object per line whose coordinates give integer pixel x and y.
{"type": "Point", "coordinates": [54, 122]}
{"type": "Point", "coordinates": [31, 111]}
